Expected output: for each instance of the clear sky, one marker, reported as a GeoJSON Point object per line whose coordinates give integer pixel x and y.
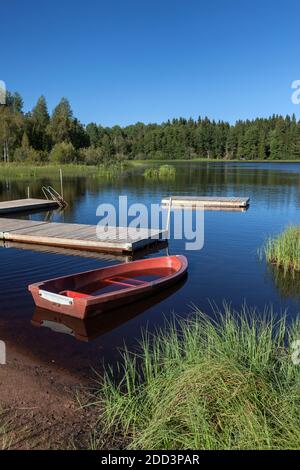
{"type": "Point", "coordinates": [123, 61]}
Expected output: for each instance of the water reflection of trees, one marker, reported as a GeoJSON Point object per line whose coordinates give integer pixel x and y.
{"type": "Point", "coordinates": [225, 179]}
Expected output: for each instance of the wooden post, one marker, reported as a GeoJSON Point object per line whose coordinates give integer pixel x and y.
{"type": "Point", "coordinates": [28, 192]}
{"type": "Point", "coordinates": [5, 152]}
{"type": "Point", "coordinates": [168, 218]}
{"type": "Point", "coordinates": [61, 183]}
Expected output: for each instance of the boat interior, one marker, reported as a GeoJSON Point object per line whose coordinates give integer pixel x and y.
{"type": "Point", "coordinates": [113, 278]}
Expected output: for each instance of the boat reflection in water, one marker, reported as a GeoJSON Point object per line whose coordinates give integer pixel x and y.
{"type": "Point", "coordinates": [93, 327]}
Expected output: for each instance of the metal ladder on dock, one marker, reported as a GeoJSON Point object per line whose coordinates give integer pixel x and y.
{"type": "Point", "coordinates": [51, 194]}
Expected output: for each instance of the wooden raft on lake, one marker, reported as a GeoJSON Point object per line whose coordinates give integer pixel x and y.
{"type": "Point", "coordinates": [23, 205]}
{"type": "Point", "coordinates": [208, 202]}
{"type": "Point", "coordinates": [79, 236]}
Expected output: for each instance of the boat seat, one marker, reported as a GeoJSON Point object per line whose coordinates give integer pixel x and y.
{"type": "Point", "coordinates": [117, 280]}
{"type": "Point", "coordinates": [131, 279]}
{"type": "Point", "coordinates": [73, 294]}
{"type": "Point", "coordinates": [125, 281]}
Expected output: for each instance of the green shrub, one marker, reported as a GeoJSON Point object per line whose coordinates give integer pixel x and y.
{"type": "Point", "coordinates": [91, 155]}
{"type": "Point", "coordinates": [63, 153]}
{"type": "Point", "coordinates": [29, 154]}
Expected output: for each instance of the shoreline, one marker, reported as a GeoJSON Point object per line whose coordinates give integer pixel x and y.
{"type": "Point", "coordinates": [110, 169]}
{"type": "Point", "coordinates": [39, 405]}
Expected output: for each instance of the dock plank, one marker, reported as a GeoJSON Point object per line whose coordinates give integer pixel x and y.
{"type": "Point", "coordinates": [23, 205]}
{"type": "Point", "coordinates": [78, 236]}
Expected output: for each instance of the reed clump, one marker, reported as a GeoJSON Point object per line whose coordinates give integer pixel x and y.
{"type": "Point", "coordinates": [222, 383]}
{"type": "Point", "coordinates": [163, 173]}
{"type": "Point", "coordinates": [284, 250]}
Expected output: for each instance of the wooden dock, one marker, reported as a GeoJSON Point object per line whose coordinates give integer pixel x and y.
{"type": "Point", "coordinates": [25, 205]}
{"type": "Point", "coordinates": [208, 202]}
{"type": "Point", "coordinates": [78, 236]}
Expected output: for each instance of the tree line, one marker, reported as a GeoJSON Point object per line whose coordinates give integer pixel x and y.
{"type": "Point", "coordinates": [38, 137]}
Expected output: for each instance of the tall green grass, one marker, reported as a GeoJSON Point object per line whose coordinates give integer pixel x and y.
{"type": "Point", "coordinates": [163, 173]}
{"type": "Point", "coordinates": [284, 250]}
{"type": "Point", "coordinates": [227, 383]}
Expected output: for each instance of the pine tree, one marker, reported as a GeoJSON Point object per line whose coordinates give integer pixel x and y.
{"type": "Point", "coordinates": [14, 102]}
{"type": "Point", "coordinates": [60, 126]}
{"type": "Point", "coordinates": [251, 143]}
{"type": "Point", "coordinates": [277, 141]}
{"type": "Point", "coordinates": [78, 136]}
{"type": "Point", "coordinates": [93, 133]}
{"type": "Point", "coordinates": [39, 121]}
{"type": "Point", "coordinates": [261, 148]}
{"type": "Point", "coordinates": [296, 143]}
{"type": "Point", "coordinates": [231, 144]}
{"type": "Point", "coordinates": [25, 141]}
{"type": "Point", "coordinates": [240, 153]}
{"type": "Point", "coordinates": [40, 112]}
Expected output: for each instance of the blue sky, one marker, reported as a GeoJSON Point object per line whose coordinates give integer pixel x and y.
{"type": "Point", "coordinates": [120, 62]}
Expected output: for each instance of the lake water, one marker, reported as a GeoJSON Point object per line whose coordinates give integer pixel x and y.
{"type": "Point", "coordinates": [227, 268]}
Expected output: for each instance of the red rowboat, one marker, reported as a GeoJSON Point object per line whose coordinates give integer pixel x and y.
{"type": "Point", "coordinates": [97, 325]}
{"type": "Point", "coordinates": [90, 292]}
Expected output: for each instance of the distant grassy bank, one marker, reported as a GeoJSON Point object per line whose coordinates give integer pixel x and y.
{"type": "Point", "coordinates": [17, 170]}
{"type": "Point", "coordinates": [284, 250]}
{"type": "Point", "coordinates": [14, 170]}
{"type": "Point", "coordinates": [224, 384]}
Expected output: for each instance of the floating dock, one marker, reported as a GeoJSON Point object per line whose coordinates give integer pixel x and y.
{"type": "Point", "coordinates": [208, 202]}
{"type": "Point", "coordinates": [79, 236]}
{"type": "Point", "coordinates": [24, 205]}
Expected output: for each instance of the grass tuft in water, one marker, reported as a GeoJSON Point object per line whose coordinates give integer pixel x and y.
{"type": "Point", "coordinates": [284, 250]}
{"type": "Point", "coordinates": [222, 383]}
{"type": "Point", "coordinates": [163, 173]}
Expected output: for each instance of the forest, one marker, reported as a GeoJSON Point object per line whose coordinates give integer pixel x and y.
{"type": "Point", "coordinates": [38, 137]}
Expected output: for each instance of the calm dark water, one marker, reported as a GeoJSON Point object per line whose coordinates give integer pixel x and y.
{"type": "Point", "coordinates": [227, 268]}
